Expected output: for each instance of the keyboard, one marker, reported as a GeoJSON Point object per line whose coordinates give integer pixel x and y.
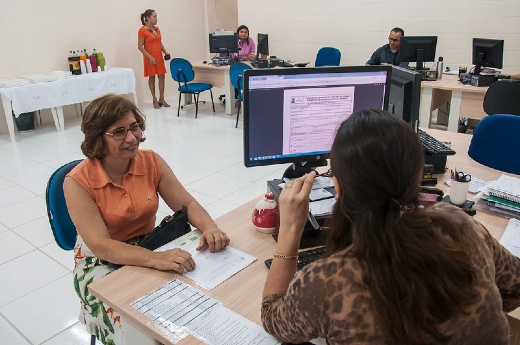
{"type": "Point", "coordinates": [432, 146]}
{"type": "Point", "coordinates": [305, 257]}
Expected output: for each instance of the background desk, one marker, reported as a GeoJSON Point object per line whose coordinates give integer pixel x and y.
{"type": "Point", "coordinates": [73, 90]}
{"type": "Point", "coordinates": [242, 292]}
{"type": "Point", "coordinates": [218, 76]}
{"type": "Point", "coordinates": [465, 100]}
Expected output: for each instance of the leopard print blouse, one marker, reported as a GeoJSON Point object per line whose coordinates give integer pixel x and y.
{"type": "Point", "coordinates": [327, 298]}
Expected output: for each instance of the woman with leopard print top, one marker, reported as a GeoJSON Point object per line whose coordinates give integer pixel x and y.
{"type": "Point", "coordinates": [394, 272]}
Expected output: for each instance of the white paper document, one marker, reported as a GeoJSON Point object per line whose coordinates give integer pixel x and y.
{"type": "Point", "coordinates": [320, 182]}
{"type": "Point", "coordinates": [211, 269]}
{"type": "Point", "coordinates": [511, 237]}
{"type": "Point", "coordinates": [178, 307]}
{"type": "Point", "coordinates": [322, 207]}
{"type": "Point", "coordinates": [318, 194]}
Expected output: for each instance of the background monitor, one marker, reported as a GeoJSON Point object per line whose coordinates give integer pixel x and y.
{"type": "Point", "coordinates": [291, 115]}
{"type": "Point", "coordinates": [417, 49]}
{"type": "Point", "coordinates": [263, 44]}
{"type": "Point", "coordinates": [487, 53]}
{"type": "Point", "coordinates": [405, 95]}
{"type": "Point", "coordinates": [223, 42]}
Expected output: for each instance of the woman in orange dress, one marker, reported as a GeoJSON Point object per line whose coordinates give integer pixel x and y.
{"type": "Point", "coordinates": [149, 43]}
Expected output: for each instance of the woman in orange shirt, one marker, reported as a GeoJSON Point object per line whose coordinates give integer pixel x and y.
{"type": "Point", "coordinates": [149, 43]}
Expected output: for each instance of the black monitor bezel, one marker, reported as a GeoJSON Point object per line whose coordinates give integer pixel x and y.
{"type": "Point", "coordinates": [262, 42]}
{"type": "Point", "coordinates": [310, 159]}
{"type": "Point", "coordinates": [496, 46]}
{"type": "Point", "coordinates": [214, 50]}
{"type": "Point", "coordinates": [410, 44]}
{"type": "Point", "coordinates": [412, 101]}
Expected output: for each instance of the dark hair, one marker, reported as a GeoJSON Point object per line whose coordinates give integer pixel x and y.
{"type": "Point", "coordinates": [244, 27]}
{"type": "Point", "coordinates": [417, 276]}
{"type": "Point", "coordinates": [398, 30]}
{"type": "Point", "coordinates": [145, 15]}
{"type": "Point", "coordinates": [100, 114]}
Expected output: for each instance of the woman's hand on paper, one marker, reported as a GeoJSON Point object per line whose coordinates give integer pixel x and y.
{"type": "Point", "coordinates": [215, 239]}
{"type": "Point", "coordinates": [173, 260]}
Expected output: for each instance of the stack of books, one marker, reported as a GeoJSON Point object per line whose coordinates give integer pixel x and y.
{"type": "Point", "coordinates": [503, 194]}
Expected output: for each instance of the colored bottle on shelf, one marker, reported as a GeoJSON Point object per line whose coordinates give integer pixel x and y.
{"type": "Point", "coordinates": [83, 60]}
{"type": "Point", "coordinates": [73, 53]}
{"type": "Point", "coordinates": [94, 51]}
{"type": "Point", "coordinates": [100, 61]}
{"type": "Point", "coordinates": [76, 67]}
{"type": "Point", "coordinates": [85, 52]}
{"type": "Point", "coordinates": [70, 61]}
{"type": "Point", "coordinates": [93, 62]}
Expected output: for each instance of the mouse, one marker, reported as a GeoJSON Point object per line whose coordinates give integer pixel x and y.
{"type": "Point", "coordinates": [204, 61]}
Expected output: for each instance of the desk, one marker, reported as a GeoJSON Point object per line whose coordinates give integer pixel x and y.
{"type": "Point", "coordinates": [466, 100]}
{"type": "Point", "coordinates": [242, 292]}
{"type": "Point", "coordinates": [73, 90]}
{"type": "Point", "coordinates": [218, 76]}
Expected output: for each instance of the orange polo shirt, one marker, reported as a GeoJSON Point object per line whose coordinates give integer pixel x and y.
{"type": "Point", "coordinates": [128, 210]}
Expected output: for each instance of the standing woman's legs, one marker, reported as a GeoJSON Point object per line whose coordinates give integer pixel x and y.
{"type": "Point", "coordinates": [161, 90]}
{"type": "Point", "coordinates": [151, 85]}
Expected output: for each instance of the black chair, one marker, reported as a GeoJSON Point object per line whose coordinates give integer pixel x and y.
{"type": "Point", "coordinates": [503, 97]}
{"type": "Point", "coordinates": [183, 73]}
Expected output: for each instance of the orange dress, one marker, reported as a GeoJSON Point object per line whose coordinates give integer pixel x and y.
{"type": "Point", "coordinates": [152, 44]}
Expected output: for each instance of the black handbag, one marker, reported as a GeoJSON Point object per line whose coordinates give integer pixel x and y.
{"type": "Point", "coordinates": [171, 227]}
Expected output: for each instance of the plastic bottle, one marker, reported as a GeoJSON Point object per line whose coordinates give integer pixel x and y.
{"type": "Point", "coordinates": [94, 52]}
{"type": "Point", "coordinates": [440, 67]}
{"type": "Point", "coordinates": [73, 53]}
{"type": "Point", "coordinates": [83, 60]}
{"type": "Point", "coordinates": [89, 66]}
{"type": "Point", "coordinates": [70, 61]}
{"type": "Point", "coordinates": [100, 61]}
{"type": "Point", "coordinates": [93, 62]}
{"type": "Point", "coordinates": [85, 52]}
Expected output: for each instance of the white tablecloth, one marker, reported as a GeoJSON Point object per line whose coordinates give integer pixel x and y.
{"type": "Point", "coordinates": [75, 89]}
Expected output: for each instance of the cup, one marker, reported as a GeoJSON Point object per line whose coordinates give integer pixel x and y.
{"type": "Point", "coordinates": [458, 192]}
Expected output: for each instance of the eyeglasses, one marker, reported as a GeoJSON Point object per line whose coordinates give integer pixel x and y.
{"type": "Point", "coordinates": [121, 133]}
{"type": "Point", "coordinates": [395, 40]}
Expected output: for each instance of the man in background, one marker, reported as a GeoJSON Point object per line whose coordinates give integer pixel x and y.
{"type": "Point", "coordinates": [389, 53]}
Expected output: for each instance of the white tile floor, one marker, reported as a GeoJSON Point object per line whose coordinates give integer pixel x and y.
{"type": "Point", "coordinates": [38, 304]}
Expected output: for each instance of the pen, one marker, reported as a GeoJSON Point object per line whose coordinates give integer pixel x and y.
{"type": "Point", "coordinates": [313, 221]}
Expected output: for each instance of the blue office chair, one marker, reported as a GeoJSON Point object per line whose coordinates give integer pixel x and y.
{"type": "Point", "coordinates": [62, 227]}
{"type": "Point", "coordinates": [496, 143]}
{"type": "Point", "coordinates": [236, 72]}
{"type": "Point", "coordinates": [503, 97]}
{"type": "Point", "coordinates": [328, 56]}
{"type": "Point", "coordinates": [183, 73]}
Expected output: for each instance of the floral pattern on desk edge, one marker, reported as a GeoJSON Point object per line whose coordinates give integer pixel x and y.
{"type": "Point", "coordinates": [99, 318]}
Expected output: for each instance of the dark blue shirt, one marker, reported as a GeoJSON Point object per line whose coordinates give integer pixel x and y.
{"type": "Point", "coordinates": [384, 55]}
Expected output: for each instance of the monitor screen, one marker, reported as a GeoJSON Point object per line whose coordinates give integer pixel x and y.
{"type": "Point", "coordinates": [263, 44]}
{"type": "Point", "coordinates": [291, 114]}
{"type": "Point", "coordinates": [223, 42]}
{"type": "Point", "coordinates": [417, 49]}
{"type": "Point", "coordinates": [405, 95]}
{"type": "Point", "coordinates": [487, 53]}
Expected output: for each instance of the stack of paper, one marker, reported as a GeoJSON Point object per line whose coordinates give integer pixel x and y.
{"type": "Point", "coordinates": [504, 194]}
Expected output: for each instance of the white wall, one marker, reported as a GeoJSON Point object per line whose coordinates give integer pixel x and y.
{"type": "Point", "coordinates": [36, 36]}
{"type": "Point", "coordinates": [298, 28]}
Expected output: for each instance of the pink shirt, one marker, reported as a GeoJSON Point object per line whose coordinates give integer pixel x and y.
{"type": "Point", "coordinates": [246, 48]}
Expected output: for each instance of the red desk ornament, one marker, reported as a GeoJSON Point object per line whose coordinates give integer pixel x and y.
{"type": "Point", "coordinates": [265, 217]}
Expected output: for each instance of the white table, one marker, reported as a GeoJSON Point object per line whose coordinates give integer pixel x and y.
{"type": "Point", "coordinates": [72, 90]}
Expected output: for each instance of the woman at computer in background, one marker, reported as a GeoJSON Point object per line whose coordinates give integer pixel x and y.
{"type": "Point", "coordinates": [149, 43]}
{"type": "Point", "coordinates": [394, 272]}
{"type": "Point", "coordinates": [113, 196]}
{"type": "Point", "coordinates": [246, 45]}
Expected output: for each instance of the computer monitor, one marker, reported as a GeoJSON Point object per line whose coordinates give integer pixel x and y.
{"type": "Point", "coordinates": [487, 53]}
{"type": "Point", "coordinates": [263, 45]}
{"type": "Point", "coordinates": [417, 49]}
{"type": "Point", "coordinates": [405, 95]}
{"type": "Point", "coordinates": [291, 115]}
{"type": "Point", "coordinates": [223, 42]}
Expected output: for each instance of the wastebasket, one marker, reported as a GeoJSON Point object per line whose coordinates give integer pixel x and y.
{"type": "Point", "coordinates": [25, 122]}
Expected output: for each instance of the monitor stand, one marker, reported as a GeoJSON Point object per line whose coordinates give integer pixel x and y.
{"type": "Point", "coordinates": [296, 170]}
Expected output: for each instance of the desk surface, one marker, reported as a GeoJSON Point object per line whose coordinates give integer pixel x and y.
{"type": "Point", "coordinates": [242, 292]}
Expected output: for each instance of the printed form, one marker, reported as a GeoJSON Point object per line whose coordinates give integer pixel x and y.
{"type": "Point", "coordinates": [312, 116]}
{"type": "Point", "coordinates": [180, 307]}
{"type": "Point", "coordinates": [211, 269]}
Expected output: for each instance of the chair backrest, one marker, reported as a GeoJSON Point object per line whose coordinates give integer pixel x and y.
{"type": "Point", "coordinates": [503, 97]}
{"type": "Point", "coordinates": [328, 56]}
{"type": "Point", "coordinates": [62, 227]}
{"type": "Point", "coordinates": [181, 70]}
{"type": "Point", "coordinates": [496, 143]}
{"type": "Point", "coordinates": [236, 72]}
